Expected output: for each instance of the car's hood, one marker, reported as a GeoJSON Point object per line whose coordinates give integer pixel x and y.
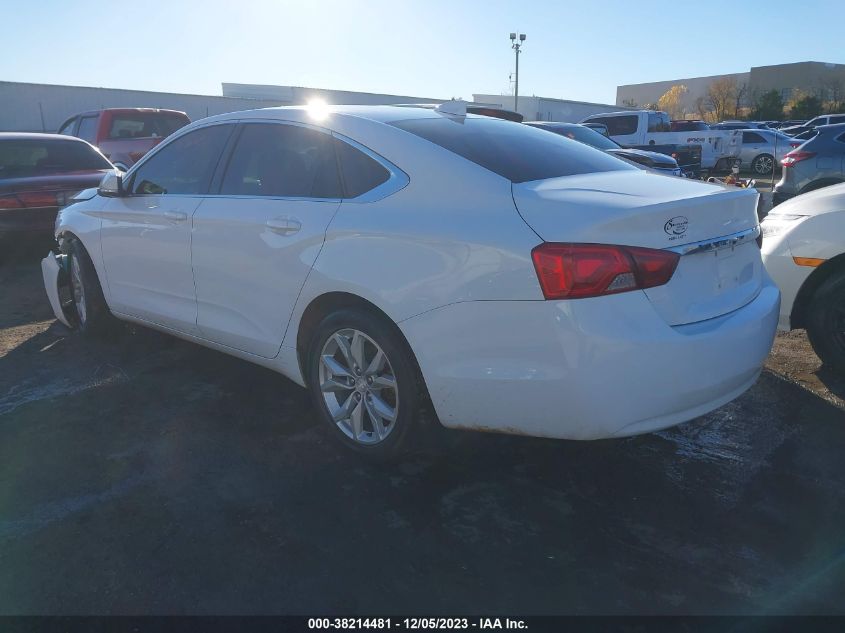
{"type": "Point", "coordinates": [825, 200]}
{"type": "Point", "coordinates": [65, 181]}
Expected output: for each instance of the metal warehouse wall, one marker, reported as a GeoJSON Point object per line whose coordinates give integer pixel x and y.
{"type": "Point", "coordinates": [28, 107]}
{"type": "Point", "coordinates": [547, 109]}
{"type": "Point", "coordinates": [295, 95]}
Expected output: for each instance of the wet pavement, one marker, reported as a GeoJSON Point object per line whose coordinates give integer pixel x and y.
{"type": "Point", "coordinates": [142, 474]}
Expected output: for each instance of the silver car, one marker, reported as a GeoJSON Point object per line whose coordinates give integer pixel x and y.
{"type": "Point", "coordinates": [817, 163]}
{"type": "Point", "coordinates": [761, 148]}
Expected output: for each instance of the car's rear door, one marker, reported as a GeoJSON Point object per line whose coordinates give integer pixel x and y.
{"type": "Point", "coordinates": [146, 234]}
{"type": "Point", "coordinates": [257, 236]}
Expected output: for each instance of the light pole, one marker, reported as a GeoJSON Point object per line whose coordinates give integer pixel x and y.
{"type": "Point", "coordinates": [517, 40]}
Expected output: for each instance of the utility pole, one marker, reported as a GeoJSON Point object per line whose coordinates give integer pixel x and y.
{"type": "Point", "coordinates": [517, 39]}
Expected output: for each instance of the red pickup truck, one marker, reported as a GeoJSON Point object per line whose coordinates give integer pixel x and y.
{"type": "Point", "coordinates": [123, 135]}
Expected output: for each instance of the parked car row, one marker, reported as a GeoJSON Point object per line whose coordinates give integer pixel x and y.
{"type": "Point", "coordinates": [40, 173]}
{"type": "Point", "coordinates": [265, 234]}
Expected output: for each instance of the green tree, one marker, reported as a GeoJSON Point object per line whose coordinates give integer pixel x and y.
{"type": "Point", "coordinates": [769, 107]}
{"type": "Point", "coordinates": [806, 107]}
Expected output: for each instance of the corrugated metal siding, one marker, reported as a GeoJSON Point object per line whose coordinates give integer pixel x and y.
{"type": "Point", "coordinates": [28, 107]}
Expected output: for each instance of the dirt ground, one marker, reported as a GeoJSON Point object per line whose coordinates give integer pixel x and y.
{"type": "Point", "coordinates": [142, 474]}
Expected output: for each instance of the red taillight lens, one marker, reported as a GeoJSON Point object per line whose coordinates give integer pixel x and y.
{"type": "Point", "coordinates": [796, 157]}
{"type": "Point", "coordinates": [577, 271]}
{"type": "Point", "coordinates": [9, 202]}
{"type": "Point", "coordinates": [38, 199]}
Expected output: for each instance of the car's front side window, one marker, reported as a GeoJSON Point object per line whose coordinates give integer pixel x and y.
{"type": "Point", "coordinates": [184, 166]}
{"type": "Point", "coordinates": [282, 160]}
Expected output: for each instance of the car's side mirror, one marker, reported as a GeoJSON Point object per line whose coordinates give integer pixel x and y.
{"type": "Point", "coordinates": [111, 186]}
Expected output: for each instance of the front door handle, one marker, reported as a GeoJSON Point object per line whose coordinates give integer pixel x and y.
{"type": "Point", "coordinates": [284, 226]}
{"type": "Point", "coordinates": [176, 216]}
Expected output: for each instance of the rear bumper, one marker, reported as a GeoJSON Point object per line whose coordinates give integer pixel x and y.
{"type": "Point", "coordinates": [41, 220]}
{"type": "Point", "coordinates": [586, 369]}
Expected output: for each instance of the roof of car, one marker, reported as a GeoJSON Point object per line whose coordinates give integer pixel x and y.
{"type": "Point", "coordinates": [380, 113]}
{"type": "Point", "coordinates": [127, 111]}
{"type": "Point", "coordinates": [36, 136]}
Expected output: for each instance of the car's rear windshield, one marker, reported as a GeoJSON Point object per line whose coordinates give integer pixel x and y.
{"type": "Point", "coordinates": [515, 151]}
{"type": "Point", "coordinates": [30, 157]}
{"type": "Point", "coordinates": [146, 124]}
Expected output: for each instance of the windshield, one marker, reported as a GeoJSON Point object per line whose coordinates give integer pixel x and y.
{"type": "Point", "coordinates": [517, 152]}
{"type": "Point", "coordinates": [37, 157]}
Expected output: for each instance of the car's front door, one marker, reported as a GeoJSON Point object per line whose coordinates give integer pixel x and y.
{"type": "Point", "coordinates": [146, 233]}
{"type": "Point", "coordinates": [254, 242]}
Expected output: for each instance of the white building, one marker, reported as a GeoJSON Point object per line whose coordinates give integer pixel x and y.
{"type": "Point", "coordinates": [548, 109]}
{"type": "Point", "coordinates": [298, 95]}
{"type": "Point", "coordinates": [43, 107]}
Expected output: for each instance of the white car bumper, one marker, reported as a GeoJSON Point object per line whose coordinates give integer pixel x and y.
{"type": "Point", "coordinates": [586, 369]}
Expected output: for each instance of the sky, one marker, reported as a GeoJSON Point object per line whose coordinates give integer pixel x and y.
{"type": "Point", "coordinates": [421, 48]}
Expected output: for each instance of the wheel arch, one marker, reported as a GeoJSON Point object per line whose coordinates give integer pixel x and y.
{"type": "Point", "coordinates": [329, 302]}
{"type": "Point", "coordinates": [832, 267]}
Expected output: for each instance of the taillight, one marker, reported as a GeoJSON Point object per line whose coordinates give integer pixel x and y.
{"type": "Point", "coordinates": [577, 271]}
{"type": "Point", "coordinates": [38, 199]}
{"type": "Point", "coordinates": [796, 157]}
{"type": "Point", "coordinates": [9, 202]}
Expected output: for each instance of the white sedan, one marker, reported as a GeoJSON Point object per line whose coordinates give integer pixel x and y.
{"type": "Point", "coordinates": [804, 250]}
{"type": "Point", "coordinates": [384, 256]}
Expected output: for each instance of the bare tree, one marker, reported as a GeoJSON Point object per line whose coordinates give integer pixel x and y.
{"type": "Point", "coordinates": [721, 96]}
{"type": "Point", "coordinates": [740, 98]}
{"type": "Point", "coordinates": [832, 93]}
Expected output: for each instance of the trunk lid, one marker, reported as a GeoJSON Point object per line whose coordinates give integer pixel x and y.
{"type": "Point", "coordinates": [637, 208]}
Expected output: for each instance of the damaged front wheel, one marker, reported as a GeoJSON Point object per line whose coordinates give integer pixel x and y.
{"type": "Point", "coordinates": [91, 315]}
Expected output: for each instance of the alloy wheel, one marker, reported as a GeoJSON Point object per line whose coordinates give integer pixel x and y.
{"type": "Point", "coordinates": [764, 165]}
{"type": "Point", "coordinates": [358, 386]}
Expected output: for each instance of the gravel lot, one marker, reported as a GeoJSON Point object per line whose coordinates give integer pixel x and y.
{"type": "Point", "coordinates": [147, 475]}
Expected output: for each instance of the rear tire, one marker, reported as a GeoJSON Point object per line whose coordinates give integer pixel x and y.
{"type": "Point", "coordinates": [826, 322]}
{"type": "Point", "coordinates": [364, 382]}
{"type": "Point", "coordinates": [91, 315]}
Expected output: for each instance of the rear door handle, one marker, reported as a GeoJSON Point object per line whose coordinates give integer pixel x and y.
{"type": "Point", "coordinates": [176, 216]}
{"type": "Point", "coordinates": [284, 226]}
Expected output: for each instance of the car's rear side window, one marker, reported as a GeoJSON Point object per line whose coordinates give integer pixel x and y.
{"type": "Point", "coordinates": [282, 160]}
{"type": "Point", "coordinates": [515, 151]}
{"type": "Point", "coordinates": [360, 172]}
{"type": "Point", "coordinates": [26, 157]}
